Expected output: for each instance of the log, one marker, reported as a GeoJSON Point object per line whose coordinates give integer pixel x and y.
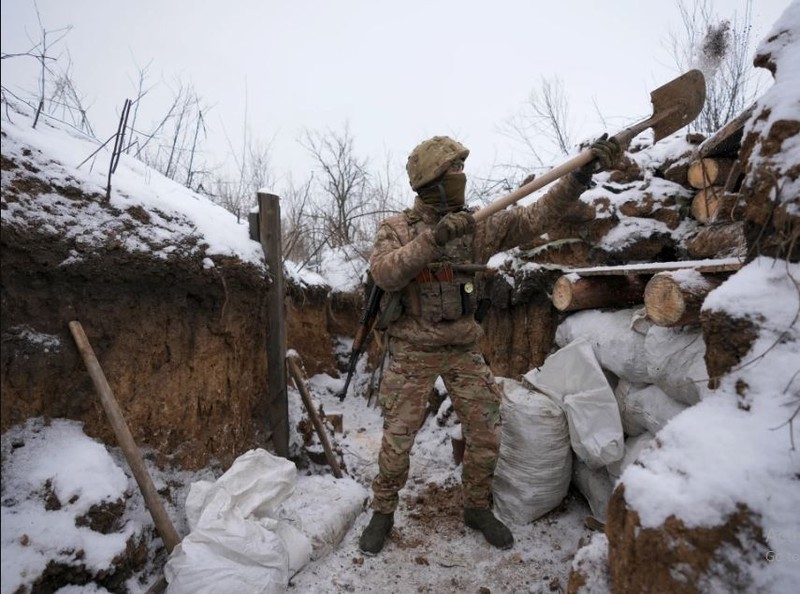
{"type": "Point", "coordinates": [572, 292]}
{"type": "Point", "coordinates": [319, 427]}
{"type": "Point", "coordinates": [715, 205]}
{"type": "Point", "coordinates": [675, 298]}
{"type": "Point", "coordinates": [717, 240]}
{"type": "Point", "coordinates": [709, 172]}
{"type": "Point", "coordinates": [705, 203]}
{"type": "Point", "coordinates": [727, 140]}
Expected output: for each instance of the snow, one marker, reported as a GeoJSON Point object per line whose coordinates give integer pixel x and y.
{"type": "Point", "coordinates": [736, 446]}
{"type": "Point", "coordinates": [175, 212]}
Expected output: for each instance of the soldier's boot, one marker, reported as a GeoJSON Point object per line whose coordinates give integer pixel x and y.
{"type": "Point", "coordinates": [374, 535]}
{"type": "Point", "coordinates": [494, 531]}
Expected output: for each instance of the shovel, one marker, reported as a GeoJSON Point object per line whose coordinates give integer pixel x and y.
{"type": "Point", "coordinates": [675, 105]}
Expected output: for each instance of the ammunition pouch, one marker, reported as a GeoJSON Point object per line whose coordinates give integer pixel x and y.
{"type": "Point", "coordinates": [444, 295]}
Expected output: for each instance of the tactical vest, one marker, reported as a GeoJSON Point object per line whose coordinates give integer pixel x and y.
{"type": "Point", "coordinates": [443, 290]}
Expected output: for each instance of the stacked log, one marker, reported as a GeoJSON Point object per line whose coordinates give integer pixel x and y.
{"type": "Point", "coordinates": [716, 173]}
{"type": "Point", "coordinates": [707, 172]}
{"type": "Point", "coordinates": [675, 298]}
{"type": "Point", "coordinates": [572, 292]}
{"type": "Point", "coordinates": [672, 292]}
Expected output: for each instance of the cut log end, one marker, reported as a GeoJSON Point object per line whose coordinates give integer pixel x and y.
{"type": "Point", "coordinates": [664, 301]}
{"type": "Point", "coordinates": [562, 294]}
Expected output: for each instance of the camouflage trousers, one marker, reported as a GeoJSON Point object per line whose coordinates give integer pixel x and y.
{"type": "Point", "coordinates": [404, 398]}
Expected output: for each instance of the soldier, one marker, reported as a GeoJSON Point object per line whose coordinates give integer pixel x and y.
{"type": "Point", "coordinates": [430, 302]}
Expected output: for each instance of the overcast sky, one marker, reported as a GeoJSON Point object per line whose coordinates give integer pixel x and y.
{"type": "Point", "coordinates": [396, 72]}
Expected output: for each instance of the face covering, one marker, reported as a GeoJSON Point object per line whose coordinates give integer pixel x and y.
{"type": "Point", "coordinates": [454, 186]}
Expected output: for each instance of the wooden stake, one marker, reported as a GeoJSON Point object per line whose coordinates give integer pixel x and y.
{"type": "Point", "coordinates": [132, 454]}
{"type": "Point", "coordinates": [297, 376]}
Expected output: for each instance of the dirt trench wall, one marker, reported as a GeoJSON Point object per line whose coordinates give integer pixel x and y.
{"type": "Point", "coordinates": [181, 347]}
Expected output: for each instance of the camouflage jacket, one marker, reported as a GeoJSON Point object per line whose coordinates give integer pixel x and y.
{"type": "Point", "coordinates": [404, 248]}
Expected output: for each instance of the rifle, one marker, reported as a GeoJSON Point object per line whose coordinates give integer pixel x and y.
{"type": "Point", "coordinates": [368, 318]}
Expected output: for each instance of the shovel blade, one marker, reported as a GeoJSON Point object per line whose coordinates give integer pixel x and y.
{"type": "Point", "coordinates": [677, 103]}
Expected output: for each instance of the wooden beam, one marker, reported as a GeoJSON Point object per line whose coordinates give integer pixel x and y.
{"type": "Point", "coordinates": [269, 227]}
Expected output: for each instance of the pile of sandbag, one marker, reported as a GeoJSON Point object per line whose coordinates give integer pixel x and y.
{"type": "Point", "coordinates": [591, 408]}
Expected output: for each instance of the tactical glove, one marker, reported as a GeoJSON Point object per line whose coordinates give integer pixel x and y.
{"type": "Point", "coordinates": [605, 152]}
{"type": "Point", "coordinates": [453, 226]}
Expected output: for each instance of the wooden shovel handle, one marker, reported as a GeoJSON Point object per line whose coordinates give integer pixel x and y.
{"type": "Point", "coordinates": [561, 170]}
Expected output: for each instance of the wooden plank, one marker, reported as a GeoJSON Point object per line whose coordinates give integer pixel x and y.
{"type": "Point", "coordinates": [707, 265]}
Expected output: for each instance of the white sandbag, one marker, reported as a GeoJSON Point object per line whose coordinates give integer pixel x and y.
{"type": "Point", "coordinates": [644, 408]}
{"type": "Point", "coordinates": [533, 471]}
{"type": "Point", "coordinates": [573, 377]}
{"type": "Point", "coordinates": [676, 363]}
{"type": "Point", "coordinates": [235, 543]}
{"type": "Point", "coordinates": [231, 552]}
{"type": "Point", "coordinates": [633, 447]}
{"type": "Point", "coordinates": [616, 344]}
{"type": "Point", "coordinates": [595, 486]}
{"type": "Point", "coordinates": [324, 508]}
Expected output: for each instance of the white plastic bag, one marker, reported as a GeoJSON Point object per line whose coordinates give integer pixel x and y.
{"type": "Point", "coordinates": [617, 344]}
{"type": "Point", "coordinates": [235, 543]}
{"type": "Point", "coordinates": [676, 363]}
{"type": "Point", "coordinates": [533, 471]}
{"type": "Point", "coordinates": [573, 377]}
{"type": "Point", "coordinates": [633, 447]}
{"type": "Point", "coordinates": [595, 486]}
{"type": "Point", "coordinates": [644, 408]}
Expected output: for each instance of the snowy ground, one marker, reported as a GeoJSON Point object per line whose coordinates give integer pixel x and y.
{"type": "Point", "coordinates": [429, 549]}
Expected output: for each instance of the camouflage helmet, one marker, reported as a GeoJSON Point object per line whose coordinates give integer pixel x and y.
{"type": "Point", "coordinates": [431, 158]}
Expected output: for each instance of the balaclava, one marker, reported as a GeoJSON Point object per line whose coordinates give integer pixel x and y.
{"type": "Point", "coordinates": [446, 194]}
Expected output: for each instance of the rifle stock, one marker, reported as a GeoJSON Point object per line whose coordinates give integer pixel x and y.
{"type": "Point", "coordinates": [366, 324]}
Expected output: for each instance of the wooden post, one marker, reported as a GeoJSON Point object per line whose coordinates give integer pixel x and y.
{"type": "Point", "coordinates": [269, 226]}
{"type": "Point", "coordinates": [297, 375]}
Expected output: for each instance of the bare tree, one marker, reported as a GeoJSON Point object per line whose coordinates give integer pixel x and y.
{"type": "Point", "coordinates": [343, 182]}
{"type": "Point", "coordinates": [541, 128]}
{"type": "Point", "coordinates": [721, 49]}
{"type": "Point", "coordinates": [543, 121]}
